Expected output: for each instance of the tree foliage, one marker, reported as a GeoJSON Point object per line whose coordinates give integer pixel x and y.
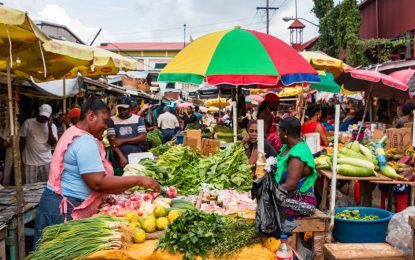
{"type": "Point", "coordinates": [322, 7]}
{"type": "Point", "coordinates": [339, 30]}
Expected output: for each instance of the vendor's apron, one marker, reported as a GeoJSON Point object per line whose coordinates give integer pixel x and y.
{"type": "Point", "coordinates": [92, 202]}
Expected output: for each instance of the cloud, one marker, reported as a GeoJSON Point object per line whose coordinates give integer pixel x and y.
{"type": "Point", "coordinates": [162, 20]}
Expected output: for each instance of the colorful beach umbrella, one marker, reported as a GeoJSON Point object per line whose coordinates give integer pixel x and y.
{"type": "Point", "coordinates": [321, 61]}
{"type": "Point", "coordinates": [326, 84]}
{"type": "Point", "coordinates": [374, 83]}
{"type": "Point", "coordinates": [238, 57]}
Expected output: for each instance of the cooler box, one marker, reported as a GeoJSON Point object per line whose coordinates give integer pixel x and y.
{"type": "Point", "coordinates": [313, 141]}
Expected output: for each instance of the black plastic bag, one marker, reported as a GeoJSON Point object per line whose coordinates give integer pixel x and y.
{"type": "Point", "coordinates": [149, 117]}
{"type": "Point", "coordinates": [269, 217]}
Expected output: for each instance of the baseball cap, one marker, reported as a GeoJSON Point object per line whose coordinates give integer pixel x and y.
{"type": "Point", "coordinates": [271, 97]}
{"type": "Point", "coordinates": [45, 110]}
{"type": "Point", "coordinates": [124, 102]}
{"type": "Point", "coordinates": [74, 112]}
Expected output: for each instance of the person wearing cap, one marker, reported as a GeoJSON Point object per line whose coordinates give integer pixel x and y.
{"type": "Point", "coordinates": [296, 172]}
{"type": "Point", "coordinates": [265, 112]}
{"type": "Point", "coordinates": [168, 124]}
{"type": "Point", "coordinates": [37, 136]}
{"type": "Point", "coordinates": [126, 133]}
{"type": "Point", "coordinates": [74, 115]}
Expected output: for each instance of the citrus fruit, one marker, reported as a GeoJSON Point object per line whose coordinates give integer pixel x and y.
{"type": "Point", "coordinates": [173, 215]}
{"type": "Point", "coordinates": [160, 211]}
{"type": "Point", "coordinates": [139, 235]}
{"type": "Point", "coordinates": [149, 225]}
{"type": "Point", "coordinates": [162, 223]}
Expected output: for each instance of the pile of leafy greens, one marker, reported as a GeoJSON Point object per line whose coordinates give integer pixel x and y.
{"type": "Point", "coordinates": [204, 234]}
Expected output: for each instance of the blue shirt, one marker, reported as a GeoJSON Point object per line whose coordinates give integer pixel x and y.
{"type": "Point", "coordinates": [82, 156]}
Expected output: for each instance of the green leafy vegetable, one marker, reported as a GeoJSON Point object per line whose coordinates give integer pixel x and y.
{"type": "Point", "coordinates": [202, 234]}
{"type": "Point", "coordinates": [354, 215]}
{"type": "Point", "coordinates": [155, 137]}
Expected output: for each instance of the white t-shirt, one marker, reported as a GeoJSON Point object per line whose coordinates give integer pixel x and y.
{"type": "Point", "coordinates": [37, 151]}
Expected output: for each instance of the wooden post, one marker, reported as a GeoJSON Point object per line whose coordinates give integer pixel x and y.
{"type": "Point", "coordinates": [17, 169]}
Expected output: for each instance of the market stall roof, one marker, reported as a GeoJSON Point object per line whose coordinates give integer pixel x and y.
{"type": "Point", "coordinates": [55, 87]}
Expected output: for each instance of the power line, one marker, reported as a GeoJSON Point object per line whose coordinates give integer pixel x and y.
{"type": "Point", "coordinates": [267, 8]}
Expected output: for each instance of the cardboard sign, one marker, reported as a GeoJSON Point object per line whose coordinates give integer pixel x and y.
{"type": "Point", "coordinates": [197, 135]}
{"type": "Point", "coordinates": [210, 146]}
{"type": "Point", "coordinates": [408, 125]}
{"type": "Point", "coordinates": [377, 134]}
{"type": "Point", "coordinates": [400, 138]}
{"type": "Point", "coordinates": [191, 142]}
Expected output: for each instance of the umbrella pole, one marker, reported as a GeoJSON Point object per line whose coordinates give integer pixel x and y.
{"type": "Point", "coordinates": [334, 168]}
{"type": "Point", "coordinates": [235, 117]}
{"type": "Point", "coordinates": [364, 116]}
{"type": "Point", "coordinates": [413, 131]}
{"type": "Point", "coordinates": [17, 169]}
{"type": "Point", "coordinates": [64, 101]}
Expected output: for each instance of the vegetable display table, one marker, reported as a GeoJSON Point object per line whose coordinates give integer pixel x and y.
{"type": "Point", "coordinates": [32, 193]}
{"type": "Point", "coordinates": [411, 190]}
{"type": "Point", "coordinates": [365, 186]}
{"type": "Point", "coordinates": [379, 251]}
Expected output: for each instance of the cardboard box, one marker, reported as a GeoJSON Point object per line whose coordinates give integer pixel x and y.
{"type": "Point", "coordinates": [194, 136]}
{"type": "Point", "coordinates": [400, 138]}
{"type": "Point", "coordinates": [210, 146]}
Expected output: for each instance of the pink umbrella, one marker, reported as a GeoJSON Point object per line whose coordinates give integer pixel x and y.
{"type": "Point", "coordinates": [203, 109]}
{"type": "Point", "coordinates": [374, 83]}
{"type": "Point", "coordinates": [185, 104]}
{"type": "Point", "coordinates": [406, 76]}
{"type": "Point", "coordinates": [256, 98]}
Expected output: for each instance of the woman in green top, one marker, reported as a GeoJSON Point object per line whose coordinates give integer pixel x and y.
{"type": "Point", "coordinates": [296, 171]}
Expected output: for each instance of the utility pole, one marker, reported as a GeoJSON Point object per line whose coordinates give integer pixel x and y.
{"type": "Point", "coordinates": [184, 35]}
{"type": "Point", "coordinates": [96, 35]}
{"type": "Point", "coordinates": [267, 8]}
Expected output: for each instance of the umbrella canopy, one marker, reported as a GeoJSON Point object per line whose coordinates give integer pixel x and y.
{"type": "Point", "coordinates": [321, 61]}
{"type": "Point", "coordinates": [217, 102]}
{"type": "Point", "coordinates": [23, 42]}
{"type": "Point", "coordinates": [185, 105]}
{"type": "Point", "coordinates": [407, 77]}
{"type": "Point", "coordinates": [326, 84]}
{"type": "Point", "coordinates": [256, 98]}
{"type": "Point", "coordinates": [104, 62]}
{"type": "Point", "coordinates": [213, 109]}
{"type": "Point", "coordinates": [238, 57]}
{"type": "Point", "coordinates": [374, 83]}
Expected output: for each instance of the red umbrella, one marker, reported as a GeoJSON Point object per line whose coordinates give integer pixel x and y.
{"type": "Point", "coordinates": [374, 83]}
{"type": "Point", "coordinates": [407, 77]}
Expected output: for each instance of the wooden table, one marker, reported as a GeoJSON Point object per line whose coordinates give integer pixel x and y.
{"type": "Point", "coordinates": [378, 251]}
{"type": "Point", "coordinates": [32, 193]}
{"type": "Point", "coordinates": [365, 185]}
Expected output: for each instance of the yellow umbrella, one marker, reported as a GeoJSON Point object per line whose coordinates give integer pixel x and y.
{"type": "Point", "coordinates": [321, 61]}
{"type": "Point", "coordinates": [22, 42]}
{"type": "Point", "coordinates": [104, 62]}
{"type": "Point", "coordinates": [213, 109]}
{"type": "Point", "coordinates": [292, 91]}
{"type": "Point", "coordinates": [217, 102]}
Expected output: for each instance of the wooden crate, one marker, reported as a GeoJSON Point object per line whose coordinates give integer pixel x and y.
{"type": "Point", "coordinates": [378, 251]}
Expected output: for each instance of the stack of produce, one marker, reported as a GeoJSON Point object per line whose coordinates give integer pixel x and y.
{"type": "Point", "coordinates": [355, 215]}
{"type": "Point", "coordinates": [225, 134]}
{"type": "Point", "coordinates": [159, 150]}
{"type": "Point", "coordinates": [184, 169]}
{"type": "Point", "coordinates": [154, 137]}
{"type": "Point", "coordinates": [80, 238]}
{"type": "Point", "coordinates": [227, 169]}
{"type": "Point", "coordinates": [403, 164]}
{"type": "Point", "coordinates": [206, 234]}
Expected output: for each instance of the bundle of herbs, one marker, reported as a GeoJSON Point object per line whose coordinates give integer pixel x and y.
{"type": "Point", "coordinates": [207, 234]}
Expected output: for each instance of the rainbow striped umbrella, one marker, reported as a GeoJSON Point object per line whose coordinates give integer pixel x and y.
{"type": "Point", "coordinates": [238, 57]}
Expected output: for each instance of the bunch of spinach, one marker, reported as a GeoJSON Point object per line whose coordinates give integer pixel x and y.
{"type": "Point", "coordinates": [228, 169]}
{"type": "Point", "coordinates": [204, 234]}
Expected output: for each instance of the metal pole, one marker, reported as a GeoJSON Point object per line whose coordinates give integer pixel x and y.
{"type": "Point", "coordinates": [413, 130]}
{"type": "Point", "coordinates": [96, 36]}
{"type": "Point", "coordinates": [235, 116]}
{"type": "Point", "coordinates": [17, 169]}
{"type": "Point", "coordinates": [334, 168]}
{"type": "Point", "coordinates": [64, 96]}
{"type": "Point", "coordinates": [296, 12]}
{"type": "Point", "coordinates": [267, 10]}
{"type": "Point", "coordinates": [261, 136]}
{"type": "Point", "coordinates": [184, 35]}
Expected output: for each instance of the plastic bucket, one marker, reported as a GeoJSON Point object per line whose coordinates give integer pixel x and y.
{"type": "Point", "coordinates": [180, 139]}
{"type": "Point", "coordinates": [360, 231]}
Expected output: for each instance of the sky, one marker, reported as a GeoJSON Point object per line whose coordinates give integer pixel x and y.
{"type": "Point", "coordinates": [162, 20]}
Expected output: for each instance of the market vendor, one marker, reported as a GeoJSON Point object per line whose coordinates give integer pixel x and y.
{"type": "Point", "coordinates": [312, 124]}
{"type": "Point", "coordinates": [74, 115]}
{"type": "Point", "coordinates": [251, 143]}
{"type": "Point", "coordinates": [407, 117]}
{"type": "Point", "coordinates": [296, 171]}
{"type": "Point", "coordinates": [265, 112]}
{"type": "Point", "coordinates": [79, 174]}
{"type": "Point", "coordinates": [126, 132]}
